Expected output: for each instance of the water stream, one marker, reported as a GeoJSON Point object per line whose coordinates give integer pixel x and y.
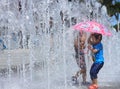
{"type": "Point", "coordinates": [39, 51]}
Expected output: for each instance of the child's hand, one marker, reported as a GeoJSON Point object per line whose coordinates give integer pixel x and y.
{"type": "Point", "coordinates": [86, 52]}
{"type": "Point", "coordinates": [89, 47]}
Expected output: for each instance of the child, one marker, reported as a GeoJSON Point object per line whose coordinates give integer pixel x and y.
{"type": "Point", "coordinates": [79, 45]}
{"type": "Point", "coordinates": [97, 49]}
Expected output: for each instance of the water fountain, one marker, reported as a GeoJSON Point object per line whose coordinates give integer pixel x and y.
{"type": "Point", "coordinates": [39, 41]}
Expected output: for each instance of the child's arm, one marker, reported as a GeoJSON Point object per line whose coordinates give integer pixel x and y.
{"type": "Point", "coordinates": [92, 50]}
{"type": "Point", "coordinates": [76, 45]}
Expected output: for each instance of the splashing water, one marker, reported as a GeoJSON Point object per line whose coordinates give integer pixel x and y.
{"type": "Point", "coordinates": [39, 41]}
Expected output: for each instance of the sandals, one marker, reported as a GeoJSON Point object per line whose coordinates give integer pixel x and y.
{"type": "Point", "coordinates": [93, 86]}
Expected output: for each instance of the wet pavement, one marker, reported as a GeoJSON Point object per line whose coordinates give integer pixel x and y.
{"type": "Point", "coordinates": [101, 86]}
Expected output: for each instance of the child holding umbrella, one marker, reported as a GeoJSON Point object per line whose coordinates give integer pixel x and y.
{"type": "Point", "coordinates": [97, 49]}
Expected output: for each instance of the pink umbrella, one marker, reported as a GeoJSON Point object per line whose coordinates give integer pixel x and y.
{"type": "Point", "coordinates": [93, 27]}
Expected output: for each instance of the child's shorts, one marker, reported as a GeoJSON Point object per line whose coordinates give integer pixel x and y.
{"type": "Point", "coordinates": [95, 68]}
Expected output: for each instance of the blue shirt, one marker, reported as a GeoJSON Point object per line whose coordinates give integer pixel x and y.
{"type": "Point", "coordinates": [99, 54]}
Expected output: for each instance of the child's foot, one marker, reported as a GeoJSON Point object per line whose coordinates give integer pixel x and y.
{"type": "Point", "coordinates": [85, 83]}
{"type": "Point", "coordinates": [93, 86]}
{"type": "Point", "coordinates": [74, 78]}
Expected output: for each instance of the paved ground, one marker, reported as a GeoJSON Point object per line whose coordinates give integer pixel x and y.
{"type": "Point", "coordinates": [38, 84]}
{"type": "Point", "coordinates": [16, 56]}
{"type": "Point", "coordinates": [101, 86]}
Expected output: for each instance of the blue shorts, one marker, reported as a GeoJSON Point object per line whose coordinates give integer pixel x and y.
{"type": "Point", "coordinates": [95, 68]}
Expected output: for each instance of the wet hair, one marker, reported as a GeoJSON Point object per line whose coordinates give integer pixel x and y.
{"type": "Point", "coordinates": [98, 36]}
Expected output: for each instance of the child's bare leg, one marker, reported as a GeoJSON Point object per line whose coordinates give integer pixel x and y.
{"type": "Point", "coordinates": [84, 77]}
{"type": "Point", "coordinates": [74, 78]}
{"type": "Point", "coordinates": [77, 74]}
{"type": "Point", "coordinates": [94, 81]}
{"type": "Point", "coordinates": [80, 72]}
{"type": "Point", "coordinates": [83, 72]}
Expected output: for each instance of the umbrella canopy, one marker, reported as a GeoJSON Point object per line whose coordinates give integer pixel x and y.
{"type": "Point", "coordinates": [93, 27]}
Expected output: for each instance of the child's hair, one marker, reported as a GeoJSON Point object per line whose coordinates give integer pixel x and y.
{"type": "Point", "coordinates": [98, 36]}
